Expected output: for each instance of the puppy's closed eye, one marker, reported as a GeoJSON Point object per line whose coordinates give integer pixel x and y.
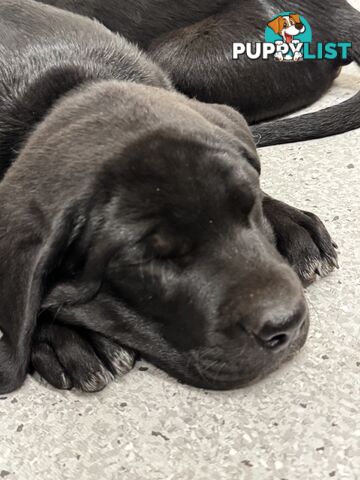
{"type": "Point", "coordinates": [165, 243]}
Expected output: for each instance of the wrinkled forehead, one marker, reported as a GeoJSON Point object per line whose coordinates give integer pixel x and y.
{"type": "Point", "coordinates": [187, 181]}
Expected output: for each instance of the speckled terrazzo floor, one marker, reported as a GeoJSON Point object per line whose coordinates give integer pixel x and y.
{"type": "Point", "coordinates": [303, 422]}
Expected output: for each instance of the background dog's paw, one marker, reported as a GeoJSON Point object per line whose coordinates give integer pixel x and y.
{"type": "Point", "coordinates": [69, 357]}
{"type": "Point", "coordinates": [302, 239]}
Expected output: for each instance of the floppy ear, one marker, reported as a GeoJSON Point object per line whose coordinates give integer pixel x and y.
{"type": "Point", "coordinates": [233, 123]}
{"type": "Point", "coordinates": [295, 17]}
{"type": "Point", "coordinates": [30, 243]}
{"type": "Point", "coordinates": [277, 24]}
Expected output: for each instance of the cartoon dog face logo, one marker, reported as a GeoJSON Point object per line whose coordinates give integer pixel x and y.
{"type": "Point", "coordinates": [288, 27]}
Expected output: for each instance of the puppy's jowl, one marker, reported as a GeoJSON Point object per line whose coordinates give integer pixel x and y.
{"type": "Point", "coordinates": [132, 215]}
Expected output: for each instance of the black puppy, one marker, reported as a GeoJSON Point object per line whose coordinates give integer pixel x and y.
{"type": "Point", "coordinates": [133, 214]}
{"type": "Point", "coordinates": [192, 41]}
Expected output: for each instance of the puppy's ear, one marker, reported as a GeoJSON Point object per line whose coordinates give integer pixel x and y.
{"type": "Point", "coordinates": [31, 242]}
{"type": "Point", "coordinates": [296, 18]}
{"type": "Point", "coordinates": [277, 24]}
{"type": "Point", "coordinates": [222, 116]}
{"type": "Point", "coordinates": [235, 126]}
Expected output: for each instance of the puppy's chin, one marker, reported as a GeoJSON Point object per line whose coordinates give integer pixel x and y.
{"type": "Point", "coordinates": [228, 366]}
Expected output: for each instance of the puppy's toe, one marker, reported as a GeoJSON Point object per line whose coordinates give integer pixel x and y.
{"type": "Point", "coordinates": [118, 360]}
{"type": "Point", "coordinates": [67, 358]}
{"type": "Point", "coordinates": [305, 254]}
{"type": "Point", "coordinates": [303, 240]}
{"type": "Point", "coordinates": [48, 368]}
{"type": "Point", "coordinates": [328, 260]}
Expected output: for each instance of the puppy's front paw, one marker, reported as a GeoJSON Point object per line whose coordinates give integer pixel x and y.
{"type": "Point", "coordinates": [302, 239]}
{"type": "Point", "coordinates": [69, 357]}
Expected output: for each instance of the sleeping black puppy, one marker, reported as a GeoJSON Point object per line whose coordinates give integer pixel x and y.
{"type": "Point", "coordinates": [192, 42]}
{"type": "Point", "coordinates": [133, 215]}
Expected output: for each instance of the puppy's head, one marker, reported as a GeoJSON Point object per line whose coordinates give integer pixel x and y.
{"type": "Point", "coordinates": [198, 263]}
{"type": "Point", "coordinates": [166, 247]}
{"type": "Point", "coordinates": [192, 278]}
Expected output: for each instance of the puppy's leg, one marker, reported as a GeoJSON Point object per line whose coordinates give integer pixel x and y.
{"type": "Point", "coordinates": [302, 239]}
{"type": "Point", "coordinates": [72, 357]}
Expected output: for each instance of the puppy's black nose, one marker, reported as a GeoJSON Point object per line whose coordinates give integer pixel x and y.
{"type": "Point", "coordinates": [299, 26]}
{"type": "Point", "coordinates": [276, 331]}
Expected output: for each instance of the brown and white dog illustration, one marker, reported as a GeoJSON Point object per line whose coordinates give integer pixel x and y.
{"type": "Point", "coordinates": [288, 27]}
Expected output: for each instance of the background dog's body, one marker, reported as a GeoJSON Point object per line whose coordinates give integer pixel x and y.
{"type": "Point", "coordinates": [192, 41]}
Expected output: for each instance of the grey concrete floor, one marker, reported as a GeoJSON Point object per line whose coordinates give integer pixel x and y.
{"type": "Point", "coordinates": [303, 422]}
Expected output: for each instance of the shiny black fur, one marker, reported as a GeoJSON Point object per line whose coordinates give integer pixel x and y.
{"type": "Point", "coordinates": [133, 215]}
{"type": "Point", "coordinates": [192, 41]}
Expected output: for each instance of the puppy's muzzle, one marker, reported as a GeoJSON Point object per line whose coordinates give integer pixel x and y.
{"type": "Point", "coordinates": [260, 325]}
